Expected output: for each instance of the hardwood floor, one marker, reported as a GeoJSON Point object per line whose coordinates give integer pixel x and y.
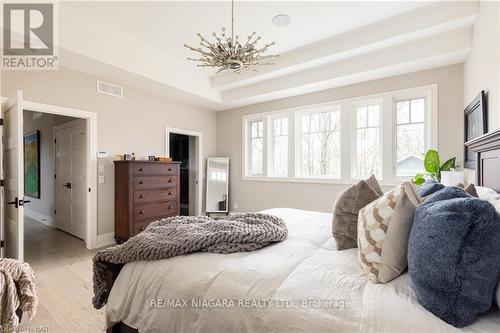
{"type": "Point", "coordinates": [63, 268]}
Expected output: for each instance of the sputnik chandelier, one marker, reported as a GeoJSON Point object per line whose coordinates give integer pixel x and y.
{"type": "Point", "coordinates": [227, 53]}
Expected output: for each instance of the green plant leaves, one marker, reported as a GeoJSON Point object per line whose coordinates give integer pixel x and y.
{"type": "Point", "coordinates": [448, 165]}
{"type": "Point", "coordinates": [419, 179]}
{"type": "Point", "coordinates": [431, 161]}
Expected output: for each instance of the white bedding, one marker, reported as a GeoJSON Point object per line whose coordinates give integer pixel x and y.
{"type": "Point", "coordinates": [305, 266]}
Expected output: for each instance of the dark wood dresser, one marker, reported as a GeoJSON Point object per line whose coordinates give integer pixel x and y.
{"type": "Point", "coordinates": [145, 191]}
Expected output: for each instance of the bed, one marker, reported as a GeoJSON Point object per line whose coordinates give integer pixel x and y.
{"type": "Point", "coordinates": [302, 284]}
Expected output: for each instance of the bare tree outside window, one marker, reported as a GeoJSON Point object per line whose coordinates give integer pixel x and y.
{"type": "Point", "coordinates": [279, 144]}
{"type": "Point", "coordinates": [410, 136]}
{"type": "Point", "coordinates": [256, 147]}
{"type": "Point", "coordinates": [367, 157]}
{"type": "Point", "coordinates": [320, 144]}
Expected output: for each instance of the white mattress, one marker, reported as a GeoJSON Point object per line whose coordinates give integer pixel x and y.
{"type": "Point", "coordinates": [305, 266]}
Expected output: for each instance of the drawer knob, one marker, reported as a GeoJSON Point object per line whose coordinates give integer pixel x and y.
{"type": "Point", "coordinates": [141, 212]}
{"type": "Point", "coordinates": [141, 169]}
{"type": "Point", "coordinates": [141, 196]}
{"type": "Point", "coordinates": [169, 207]}
{"type": "Point", "coordinates": [170, 180]}
{"type": "Point", "coordinates": [141, 182]}
{"type": "Point", "coordinates": [169, 169]}
{"type": "Point", "coordinates": [169, 193]}
{"type": "Point", "coordinates": [142, 228]}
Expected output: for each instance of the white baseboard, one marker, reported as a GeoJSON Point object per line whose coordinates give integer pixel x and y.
{"type": "Point", "coordinates": [47, 220]}
{"type": "Point", "coordinates": [105, 240]}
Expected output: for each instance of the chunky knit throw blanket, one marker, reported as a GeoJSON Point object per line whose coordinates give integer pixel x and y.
{"type": "Point", "coordinates": [180, 235]}
{"type": "Point", "coordinates": [17, 290]}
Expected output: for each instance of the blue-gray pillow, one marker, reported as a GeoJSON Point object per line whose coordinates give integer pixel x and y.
{"type": "Point", "coordinates": [453, 256]}
{"type": "Point", "coordinates": [429, 187]}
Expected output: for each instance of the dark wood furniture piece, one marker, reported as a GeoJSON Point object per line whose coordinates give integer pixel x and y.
{"type": "Point", "coordinates": [145, 191]}
{"type": "Point", "coordinates": [486, 147]}
{"type": "Point", "coordinates": [477, 108]}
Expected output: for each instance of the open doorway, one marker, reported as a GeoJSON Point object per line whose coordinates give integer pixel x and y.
{"type": "Point", "coordinates": [185, 147]}
{"type": "Point", "coordinates": [55, 164]}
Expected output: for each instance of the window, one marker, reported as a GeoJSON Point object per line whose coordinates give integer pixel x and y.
{"type": "Point", "coordinates": [278, 156]}
{"type": "Point", "coordinates": [218, 175]}
{"type": "Point", "coordinates": [256, 147]}
{"type": "Point", "coordinates": [410, 136]}
{"type": "Point", "coordinates": [319, 142]}
{"type": "Point", "coordinates": [340, 142]}
{"type": "Point", "coordinates": [367, 152]}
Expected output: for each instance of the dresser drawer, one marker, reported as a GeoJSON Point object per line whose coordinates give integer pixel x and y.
{"type": "Point", "coordinates": [153, 182]}
{"type": "Point", "coordinates": [154, 211]}
{"type": "Point", "coordinates": [154, 169]}
{"type": "Point", "coordinates": [163, 194]}
{"type": "Point", "coordinates": [139, 227]}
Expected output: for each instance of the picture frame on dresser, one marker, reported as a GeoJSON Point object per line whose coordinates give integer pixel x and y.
{"type": "Point", "coordinates": [475, 125]}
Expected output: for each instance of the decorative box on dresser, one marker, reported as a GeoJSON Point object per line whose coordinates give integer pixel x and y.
{"type": "Point", "coordinates": [145, 191]}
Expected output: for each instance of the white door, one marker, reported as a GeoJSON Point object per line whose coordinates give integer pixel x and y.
{"type": "Point", "coordinates": [71, 185]}
{"type": "Point", "coordinates": [14, 179]}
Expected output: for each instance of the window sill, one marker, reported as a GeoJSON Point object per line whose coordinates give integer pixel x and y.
{"type": "Point", "coordinates": [392, 183]}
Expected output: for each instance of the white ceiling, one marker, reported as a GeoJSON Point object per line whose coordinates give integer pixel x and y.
{"type": "Point", "coordinates": [140, 43]}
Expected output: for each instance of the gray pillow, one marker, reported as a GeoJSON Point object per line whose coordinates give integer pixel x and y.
{"type": "Point", "coordinates": [469, 189]}
{"type": "Point", "coordinates": [453, 256]}
{"type": "Point", "coordinates": [346, 209]}
{"type": "Point", "coordinates": [429, 187]}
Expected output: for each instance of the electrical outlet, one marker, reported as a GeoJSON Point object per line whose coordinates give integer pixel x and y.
{"type": "Point", "coordinates": [235, 206]}
{"type": "Point", "coordinates": [101, 167]}
{"type": "Point", "coordinates": [101, 179]}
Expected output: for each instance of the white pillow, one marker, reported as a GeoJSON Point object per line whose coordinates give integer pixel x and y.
{"type": "Point", "coordinates": [489, 195]}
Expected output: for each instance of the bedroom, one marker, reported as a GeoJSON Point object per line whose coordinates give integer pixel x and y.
{"type": "Point", "coordinates": [359, 88]}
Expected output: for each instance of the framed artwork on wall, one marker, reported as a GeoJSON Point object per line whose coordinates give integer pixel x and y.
{"type": "Point", "coordinates": [475, 125]}
{"type": "Point", "coordinates": [32, 165]}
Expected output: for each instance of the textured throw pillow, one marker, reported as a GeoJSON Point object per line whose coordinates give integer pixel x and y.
{"type": "Point", "coordinates": [347, 206]}
{"type": "Point", "coordinates": [429, 187]}
{"type": "Point", "coordinates": [453, 256]}
{"type": "Point", "coordinates": [471, 190]}
{"type": "Point", "coordinates": [383, 230]}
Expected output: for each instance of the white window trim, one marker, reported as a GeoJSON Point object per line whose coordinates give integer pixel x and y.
{"type": "Point", "coordinates": [347, 109]}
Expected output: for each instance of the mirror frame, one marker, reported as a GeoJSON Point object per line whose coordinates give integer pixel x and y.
{"type": "Point", "coordinates": [217, 159]}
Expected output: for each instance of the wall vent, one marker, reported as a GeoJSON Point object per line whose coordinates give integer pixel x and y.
{"type": "Point", "coordinates": [109, 89]}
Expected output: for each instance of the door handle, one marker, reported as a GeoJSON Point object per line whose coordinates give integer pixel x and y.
{"type": "Point", "coordinates": [67, 185]}
{"type": "Point", "coordinates": [18, 203]}
{"type": "Point", "coordinates": [15, 202]}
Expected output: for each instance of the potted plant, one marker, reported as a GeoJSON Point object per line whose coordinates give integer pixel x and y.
{"type": "Point", "coordinates": [433, 167]}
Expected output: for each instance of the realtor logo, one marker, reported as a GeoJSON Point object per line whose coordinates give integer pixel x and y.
{"type": "Point", "coordinates": [29, 36]}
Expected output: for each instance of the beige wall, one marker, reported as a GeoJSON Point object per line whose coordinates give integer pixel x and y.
{"type": "Point", "coordinates": [134, 123]}
{"type": "Point", "coordinates": [482, 66]}
{"type": "Point", "coordinates": [256, 195]}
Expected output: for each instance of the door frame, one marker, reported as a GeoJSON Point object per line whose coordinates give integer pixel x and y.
{"type": "Point", "coordinates": [91, 174]}
{"type": "Point", "coordinates": [198, 147]}
{"type": "Point", "coordinates": [80, 121]}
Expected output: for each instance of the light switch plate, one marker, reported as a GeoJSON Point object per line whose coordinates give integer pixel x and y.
{"type": "Point", "coordinates": [101, 179]}
{"type": "Point", "coordinates": [101, 167]}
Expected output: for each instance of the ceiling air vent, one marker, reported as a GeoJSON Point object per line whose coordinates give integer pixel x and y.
{"type": "Point", "coordinates": [109, 89]}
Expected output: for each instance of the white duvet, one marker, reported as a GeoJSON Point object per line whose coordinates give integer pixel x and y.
{"type": "Point", "coordinates": [302, 284]}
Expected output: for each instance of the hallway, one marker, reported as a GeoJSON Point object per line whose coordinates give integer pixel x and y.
{"type": "Point", "coordinates": [63, 269]}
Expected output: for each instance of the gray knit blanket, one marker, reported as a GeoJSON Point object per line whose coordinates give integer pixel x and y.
{"type": "Point", "coordinates": [17, 291]}
{"type": "Point", "coordinates": [180, 235]}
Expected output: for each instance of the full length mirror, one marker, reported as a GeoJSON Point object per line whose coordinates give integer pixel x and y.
{"type": "Point", "coordinates": [217, 185]}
